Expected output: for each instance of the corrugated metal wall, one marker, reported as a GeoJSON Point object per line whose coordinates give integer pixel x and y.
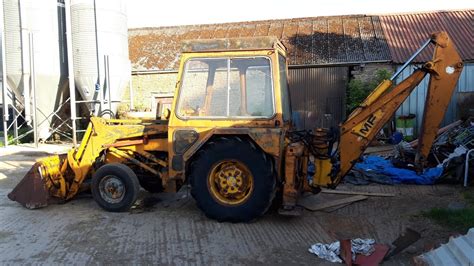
{"type": "Point", "coordinates": [415, 104]}
{"type": "Point", "coordinates": [318, 96]}
{"type": "Point", "coordinates": [458, 251]}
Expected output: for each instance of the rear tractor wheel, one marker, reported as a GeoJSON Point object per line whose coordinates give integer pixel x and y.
{"type": "Point", "coordinates": [232, 180]}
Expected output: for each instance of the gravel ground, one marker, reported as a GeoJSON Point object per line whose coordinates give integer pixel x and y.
{"type": "Point", "coordinates": [174, 231]}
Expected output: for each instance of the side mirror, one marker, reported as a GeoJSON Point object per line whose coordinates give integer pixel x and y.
{"type": "Point", "coordinates": [162, 113]}
{"type": "Point", "coordinates": [167, 114]}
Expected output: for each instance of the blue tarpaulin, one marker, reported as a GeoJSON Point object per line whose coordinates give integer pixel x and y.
{"type": "Point", "coordinates": [376, 165]}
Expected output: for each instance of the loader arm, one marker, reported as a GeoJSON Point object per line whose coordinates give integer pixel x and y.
{"type": "Point", "coordinates": [60, 177]}
{"type": "Point", "coordinates": [103, 135]}
{"type": "Point", "coordinates": [379, 107]}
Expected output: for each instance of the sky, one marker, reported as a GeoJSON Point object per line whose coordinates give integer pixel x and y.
{"type": "Point", "coordinates": [155, 13]}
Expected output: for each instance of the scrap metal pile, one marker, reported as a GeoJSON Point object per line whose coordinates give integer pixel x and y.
{"type": "Point", "coordinates": [445, 163]}
{"type": "Point", "coordinates": [448, 151]}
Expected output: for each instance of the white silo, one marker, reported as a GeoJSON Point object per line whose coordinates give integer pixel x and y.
{"type": "Point", "coordinates": [13, 42]}
{"type": "Point", "coordinates": [44, 20]}
{"type": "Point", "coordinates": [99, 28]}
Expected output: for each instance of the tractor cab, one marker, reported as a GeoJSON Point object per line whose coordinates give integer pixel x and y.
{"type": "Point", "coordinates": [229, 87]}
{"type": "Point", "coordinates": [220, 81]}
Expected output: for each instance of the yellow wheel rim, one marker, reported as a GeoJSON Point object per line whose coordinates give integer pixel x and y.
{"type": "Point", "coordinates": [230, 182]}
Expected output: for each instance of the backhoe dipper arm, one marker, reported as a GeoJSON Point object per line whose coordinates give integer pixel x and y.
{"type": "Point", "coordinates": [369, 118]}
{"type": "Point", "coordinates": [444, 74]}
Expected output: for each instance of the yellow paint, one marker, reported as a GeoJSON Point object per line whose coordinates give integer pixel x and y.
{"type": "Point", "coordinates": [381, 89]}
{"type": "Point", "coordinates": [322, 175]}
{"type": "Point", "coordinates": [373, 96]}
{"type": "Point", "coordinates": [365, 128]}
{"type": "Point", "coordinates": [230, 183]}
{"type": "Point", "coordinates": [51, 167]}
{"type": "Point", "coordinates": [99, 134]}
{"type": "Point", "coordinates": [262, 131]}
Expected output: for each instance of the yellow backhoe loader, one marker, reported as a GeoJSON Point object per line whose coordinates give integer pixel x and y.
{"type": "Point", "coordinates": [229, 136]}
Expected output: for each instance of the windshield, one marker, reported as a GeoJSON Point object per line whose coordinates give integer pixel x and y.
{"type": "Point", "coordinates": [226, 88]}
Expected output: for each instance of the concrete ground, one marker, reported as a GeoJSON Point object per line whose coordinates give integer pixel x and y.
{"type": "Point", "coordinates": [176, 232]}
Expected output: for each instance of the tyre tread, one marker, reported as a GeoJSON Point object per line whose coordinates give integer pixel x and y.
{"type": "Point", "coordinates": [221, 145]}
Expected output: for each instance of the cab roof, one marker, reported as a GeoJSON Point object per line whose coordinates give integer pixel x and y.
{"type": "Point", "coordinates": [232, 44]}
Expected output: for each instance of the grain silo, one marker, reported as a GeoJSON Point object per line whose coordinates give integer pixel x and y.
{"type": "Point", "coordinates": [99, 29]}
{"type": "Point", "coordinates": [36, 26]}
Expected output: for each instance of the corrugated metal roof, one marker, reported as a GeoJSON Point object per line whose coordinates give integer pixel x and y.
{"type": "Point", "coordinates": [458, 251]}
{"type": "Point", "coordinates": [406, 32]}
{"type": "Point", "coordinates": [318, 40]}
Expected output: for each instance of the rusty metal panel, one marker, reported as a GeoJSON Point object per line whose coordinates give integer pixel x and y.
{"type": "Point", "coordinates": [405, 33]}
{"type": "Point", "coordinates": [318, 96]}
{"type": "Point", "coordinates": [31, 192]}
{"type": "Point", "coordinates": [415, 103]}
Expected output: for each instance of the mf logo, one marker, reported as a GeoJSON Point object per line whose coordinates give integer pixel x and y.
{"type": "Point", "coordinates": [368, 125]}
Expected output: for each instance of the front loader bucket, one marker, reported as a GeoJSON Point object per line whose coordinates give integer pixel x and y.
{"type": "Point", "coordinates": [42, 182]}
{"type": "Point", "coordinates": [31, 191]}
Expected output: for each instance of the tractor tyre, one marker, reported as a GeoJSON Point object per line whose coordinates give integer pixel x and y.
{"type": "Point", "coordinates": [115, 187]}
{"type": "Point", "coordinates": [232, 180]}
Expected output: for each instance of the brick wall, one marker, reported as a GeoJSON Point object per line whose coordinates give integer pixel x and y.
{"type": "Point", "coordinates": [145, 85]}
{"type": "Point", "coordinates": [368, 72]}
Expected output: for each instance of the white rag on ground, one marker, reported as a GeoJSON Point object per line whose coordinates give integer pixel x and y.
{"type": "Point", "coordinates": [330, 252]}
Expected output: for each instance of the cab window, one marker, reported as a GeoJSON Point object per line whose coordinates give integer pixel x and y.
{"type": "Point", "coordinates": [226, 88]}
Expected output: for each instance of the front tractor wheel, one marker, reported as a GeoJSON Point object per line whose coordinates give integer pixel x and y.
{"type": "Point", "coordinates": [115, 187]}
{"type": "Point", "coordinates": [231, 180]}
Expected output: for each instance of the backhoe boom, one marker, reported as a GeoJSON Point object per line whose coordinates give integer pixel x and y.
{"type": "Point", "coordinates": [368, 119]}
